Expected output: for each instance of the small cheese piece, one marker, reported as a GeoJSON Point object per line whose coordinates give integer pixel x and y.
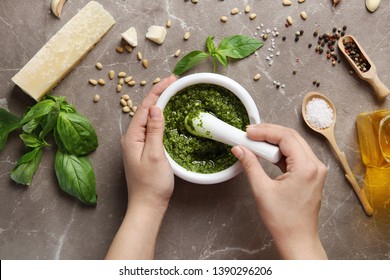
{"type": "Point", "coordinates": [156, 34]}
{"type": "Point", "coordinates": [130, 36]}
{"type": "Point", "coordinates": [64, 50]}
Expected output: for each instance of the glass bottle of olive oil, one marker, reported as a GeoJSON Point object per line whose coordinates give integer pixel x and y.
{"type": "Point", "coordinates": [374, 139]}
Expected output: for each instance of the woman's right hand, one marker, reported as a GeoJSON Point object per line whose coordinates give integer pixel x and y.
{"type": "Point", "coordinates": [289, 204]}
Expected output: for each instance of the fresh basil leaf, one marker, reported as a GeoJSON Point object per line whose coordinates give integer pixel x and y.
{"type": "Point", "coordinates": [26, 167]}
{"type": "Point", "coordinates": [222, 59]}
{"type": "Point", "coordinates": [38, 110]}
{"type": "Point", "coordinates": [189, 61]}
{"type": "Point", "coordinates": [32, 141]}
{"type": "Point", "coordinates": [49, 122]}
{"type": "Point", "coordinates": [76, 134]}
{"type": "Point", "coordinates": [210, 44]}
{"type": "Point", "coordinates": [8, 123]}
{"type": "Point", "coordinates": [30, 126]}
{"type": "Point", "coordinates": [76, 177]}
{"type": "Point", "coordinates": [238, 46]}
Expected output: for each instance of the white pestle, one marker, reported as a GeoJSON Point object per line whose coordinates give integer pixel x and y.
{"type": "Point", "coordinates": [208, 126]}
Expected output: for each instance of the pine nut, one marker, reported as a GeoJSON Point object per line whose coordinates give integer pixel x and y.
{"type": "Point", "coordinates": [177, 53]}
{"type": "Point", "coordinates": [187, 35]}
{"type": "Point", "coordinates": [111, 74]}
{"type": "Point", "coordinates": [101, 82]}
{"type": "Point", "coordinates": [93, 82]}
{"type": "Point", "coordinates": [122, 74]}
{"type": "Point", "coordinates": [99, 66]}
{"type": "Point", "coordinates": [126, 109]}
{"type": "Point", "coordinates": [96, 98]}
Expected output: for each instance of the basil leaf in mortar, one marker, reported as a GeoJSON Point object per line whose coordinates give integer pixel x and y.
{"type": "Point", "coordinates": [76, 134]}
{"type": "Point", "coordinates": [26, 166]}
{"type": "Point", "coordinates": [76, 177]}
{"type": "Point", "coordinates": [8, 123]}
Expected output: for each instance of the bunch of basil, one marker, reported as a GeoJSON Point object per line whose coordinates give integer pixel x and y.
{"type": "Point", "coordinates": [74, 136]}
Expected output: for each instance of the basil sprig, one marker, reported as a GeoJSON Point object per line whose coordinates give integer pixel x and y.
{"type": "Point", "coordinates": [74, 136]}
{"type": "Point", "coordinates": [236, 47]}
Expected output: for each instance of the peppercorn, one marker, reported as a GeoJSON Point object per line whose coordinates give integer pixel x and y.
{"type": "Point", "coordinates": [318, 84]}
{"type": "Point", "coordinates": [344, 27]}
{"type": "Point", "coordinates": [309, 46]}
{"type": "Point", "coordinates": [294, 72]}
{"type": "Point", "coordinates": [334, 29]}
{"type": "Point", "coordinates": [301, 32]}
{"type": "Point", "coordinates": [284, 38]}
{"type": "Point", "coordinates": [296, 39]}
{"type": "Point", "coordinates": [314, 82]}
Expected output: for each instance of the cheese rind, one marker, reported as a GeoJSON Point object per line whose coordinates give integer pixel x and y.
{"type": "Point", "coordinates": [64, 50]}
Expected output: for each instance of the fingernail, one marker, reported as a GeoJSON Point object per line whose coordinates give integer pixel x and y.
{"type": "Point", "coordinates": [238, 152]}
{"type": "Point", "coordinates": [155, 113]}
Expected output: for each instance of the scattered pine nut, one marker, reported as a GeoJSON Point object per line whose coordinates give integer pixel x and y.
{"type": "Point", "coordinates": [157, 80]}
{"type": "Point", "coordinates": [142, 83]}
{"type": "Point", "coordinates": [111, 74]}
{"type": "Point", "coordinates": [290, 20]}
{"type": "Point", "coordinates": [123, 102]}
{"type": "Point", "coordinates": [234, 11]}
{"type": "Point", "coordinates": [126, 109]}
{"type": "Point", "coordinates": [194, 1]}
{"type": "Point", "coordinates": [187, 35]}
{"type": "Point", "coordinates": [101, 82]}
{"type": "Point", "coordinates": [286, 2]}
{"type": "Point", "coordinates": [145, 63]}
{"type": "Point", "coordinates": [252, 16]}
{"type": "Point", "coordinates": [99, 66]}
{"type": "Point", "coordinates": [247, 9]}
{"type": "Point", "coordinates": [119, 49]}
{"type": "Point", "coordinates": [96, 98]}
{"type": "Point", "coordinates": [125, 97]}
{"type": "Point", "coordinates": [139, 55]}
{"type": "Point", "coordinates": [257, 77]}
{"type": "Point", "coordinates": [177, 53]}
{"type": "Point", "coordinates": [301, 1]}
{"type": "Point", "coordinates": [128, 79]}
{"type": "Point", "coordinates": [224, 18]}
{"type": "Point", "coordinates": [121, 82]}
{"type": "Point", "coordinates": [122, 74]}
{"type": "Point", "coordinates": [303, 15]}
{"type": "Point", "coordinates": [118, 88]}
{"type": "Point", "coordinates": [168, 23]}
{"type": "Point", "coordinates": [131, 114]}
{"type": "Point", "coordinates": [130, 103]}
{"type": "Point", "coordinates": [93, 82]}
{"type": "Point", "coordinates": [128, 48]}
{"type": "Point", "coordinates": [132, 83]}
{"type": "Point", "coordinates": [134, 108]}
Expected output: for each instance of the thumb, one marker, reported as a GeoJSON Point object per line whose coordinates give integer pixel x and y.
{"type": "Point", "coordinates": [154, 132]}
{"type": "Point", "coordinates": [257, 177]}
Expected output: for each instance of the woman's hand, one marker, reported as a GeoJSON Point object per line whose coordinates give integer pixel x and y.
{"type": "Point", "coordinates": [149, 177]}
{"type": "Point", "coordinates": [289, 204]}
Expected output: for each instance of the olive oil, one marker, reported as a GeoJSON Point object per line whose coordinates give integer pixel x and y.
{"type": "Point", "coordinates": [374, 139]}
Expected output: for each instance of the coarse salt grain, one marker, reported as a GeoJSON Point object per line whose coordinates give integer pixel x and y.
{"type": "Point", "coordinates": [318, 113]}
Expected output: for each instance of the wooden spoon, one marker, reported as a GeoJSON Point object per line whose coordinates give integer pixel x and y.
{"type": "Point", "coordinates": [329, 134]}
{"type": "Point", "coordinates": [369, 76]}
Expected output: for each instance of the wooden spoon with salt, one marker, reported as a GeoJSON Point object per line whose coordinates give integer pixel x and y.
{"type": "Point", "coordinates": [370, 75]}
{"type": "Point", "coordinates": [329, 134]}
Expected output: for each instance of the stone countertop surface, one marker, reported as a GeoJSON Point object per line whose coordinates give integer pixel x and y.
{"type": "Point", "coordinates": [203, 221]}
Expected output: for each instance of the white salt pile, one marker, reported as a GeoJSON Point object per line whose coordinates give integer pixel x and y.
{"type": "Point", "coordinates": [318, 113]}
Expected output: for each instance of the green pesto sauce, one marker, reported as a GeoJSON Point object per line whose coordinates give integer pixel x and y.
{"type": "Point", "coordinates": [194, 153]}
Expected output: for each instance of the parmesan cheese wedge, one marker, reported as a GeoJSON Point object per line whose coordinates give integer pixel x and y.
{"type": "Point", "coordinates": [156, 34]}
{"type": "Point", "coordinates": [130, 36]}
{"type": "Point", "coordinates": [64, 50]}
